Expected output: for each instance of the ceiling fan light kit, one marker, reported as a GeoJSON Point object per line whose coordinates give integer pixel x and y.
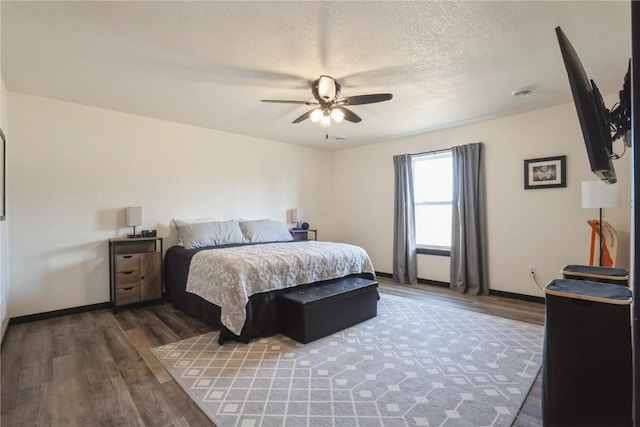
{"type": "Point", "coordinates": [328, 88]}
{"type": "Point", "coordinates": [316, 115]}
{"type": "Point", "coordinates": [337, 114]}
{"type": "Point", "coordinates": [324, 117]}
{"type": "Point", "coordinates": [325, 121]}
{"type": "Point", "coordinates": [330, 106]}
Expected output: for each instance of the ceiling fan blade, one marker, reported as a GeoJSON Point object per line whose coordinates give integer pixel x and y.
{"type": "Point", "coordinates": [365, 99]}
{"type": "Point", "coordinates": [305, 116]}
{"type": "Point", "coordinates": [281, 101]}
{"type": "Point", "coordinates": [349, 115]}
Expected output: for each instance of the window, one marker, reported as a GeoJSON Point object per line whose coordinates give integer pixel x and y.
{"type": "Point", "coordinates": [433, 193]}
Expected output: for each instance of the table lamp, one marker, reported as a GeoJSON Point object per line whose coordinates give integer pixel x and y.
{"type": "Point", "coordinates": [134, 218]}
{"type": "Point", "coordinates": [599, 195]}
{"type": "Point", "coordinates": [295, 218]}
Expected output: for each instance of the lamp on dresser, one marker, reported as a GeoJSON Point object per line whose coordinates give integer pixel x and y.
{"type": "Point", "coordinates": [134, 219]}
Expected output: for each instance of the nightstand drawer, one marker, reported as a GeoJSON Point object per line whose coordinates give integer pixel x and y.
{"type": "Point", "coordinates": [127, 262]}
{"type": "Point", "coordinates": [135, 270]}
{"type": "Point", "coordinates": [128, 294]}
{"type": "Point", "coordinates": [126, 278]}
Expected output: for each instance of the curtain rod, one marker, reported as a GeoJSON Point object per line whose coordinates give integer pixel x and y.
{"type": "Point", "coordinates": [432, 152]}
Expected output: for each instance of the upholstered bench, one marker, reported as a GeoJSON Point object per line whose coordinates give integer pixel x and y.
{"type": "Point", "coordinates": [315, 312]}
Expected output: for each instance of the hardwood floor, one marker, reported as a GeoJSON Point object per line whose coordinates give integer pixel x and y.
{"type": "Point", "coordinates": [96, 368]}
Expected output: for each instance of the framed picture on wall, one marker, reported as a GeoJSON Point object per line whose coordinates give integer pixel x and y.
{"type": "Point", "coordinates": [546, 172]}
{"type": "Point", "coordinates": [3, 174]}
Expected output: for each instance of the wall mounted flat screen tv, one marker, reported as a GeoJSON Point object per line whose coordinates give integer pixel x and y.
{"type": "Point", "coordinates": [596, 121]}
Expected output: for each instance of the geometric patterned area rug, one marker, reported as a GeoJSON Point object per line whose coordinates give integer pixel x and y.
{"type": "Point", "coordinates": [415, 364]}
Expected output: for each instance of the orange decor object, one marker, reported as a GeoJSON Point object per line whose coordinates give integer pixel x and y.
{"type": "Point", "coordinates": [609, 244]}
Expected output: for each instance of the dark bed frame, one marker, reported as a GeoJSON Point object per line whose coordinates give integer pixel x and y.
{"type": "Point", "coordinates": [262, 318]}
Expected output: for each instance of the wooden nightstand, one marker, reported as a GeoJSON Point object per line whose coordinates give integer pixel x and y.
{"type": "Point", "coordinates": [135, 270]}
{"type": "Point", "coordinates": [302, 234]}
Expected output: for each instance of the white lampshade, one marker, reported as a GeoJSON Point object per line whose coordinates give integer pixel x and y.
{"type": "Point", "coordinates": [316, 115]}
{"type": "Point", "coordinates": [325, 121]}
{"type": "Point", "coordinates": [134, 216]}
{"type": "Point", "coordinates": [294, 216]}
{"type": "Point", "coordinates": [598, 194]}
{"type": "Point", "coordinates": [337, 115]}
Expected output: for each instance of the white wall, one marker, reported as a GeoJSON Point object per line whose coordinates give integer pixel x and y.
{"type": "Point", "coordinates": [4, 255]}
{"type": "Point", "coordinates": [546, 228]}
{"type": "Point", "coordinates": [4, 234]}
{"type": "Point", "coordinates": [75, 168]}
{"type": "Point", "coordinates": [72, 170]}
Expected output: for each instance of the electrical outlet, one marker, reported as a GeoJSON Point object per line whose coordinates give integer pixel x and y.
{"type": "Point", "coordinates": [533, 270]}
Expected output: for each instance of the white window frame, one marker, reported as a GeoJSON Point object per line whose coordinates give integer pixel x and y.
{"type": "Point", "coordinates": [432, 249]}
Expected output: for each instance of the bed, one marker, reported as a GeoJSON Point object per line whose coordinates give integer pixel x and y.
{"type": "Point", "coordinates": [230, 273]}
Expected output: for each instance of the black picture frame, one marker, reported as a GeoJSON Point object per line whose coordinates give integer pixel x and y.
{"type": "Point", "coordinates": [3, 176]}
{"type": "Point", "coordinates": [545, 172]}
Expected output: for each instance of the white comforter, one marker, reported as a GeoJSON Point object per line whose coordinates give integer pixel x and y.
{"type": "Point", "coordinates": [227, 277]}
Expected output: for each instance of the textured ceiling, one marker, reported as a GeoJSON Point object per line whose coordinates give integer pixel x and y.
{"type": "Point", "coordinates": [210, 63]}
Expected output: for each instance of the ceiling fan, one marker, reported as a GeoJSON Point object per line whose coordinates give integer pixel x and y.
{"type": "Point", "coordinates": [329, 105]}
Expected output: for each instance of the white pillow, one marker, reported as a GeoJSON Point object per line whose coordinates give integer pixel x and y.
{"type": "Point", "coordinates": [214, 233]}
{"type": "Point", "coordinates": [183, 222]}
{"type": "Point", "coordinates": [197, 220]}
{"type": "Point", "coordinates": [265, 230]}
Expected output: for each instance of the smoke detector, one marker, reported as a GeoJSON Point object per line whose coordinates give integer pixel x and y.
{"type": "Point", "coordinates": [521, 93]}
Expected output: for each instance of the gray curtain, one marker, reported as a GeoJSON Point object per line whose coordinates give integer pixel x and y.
{"type": "Point", "coordinates": [405, 267]}
{"type": "Point", "coordinates": [469, 269]}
